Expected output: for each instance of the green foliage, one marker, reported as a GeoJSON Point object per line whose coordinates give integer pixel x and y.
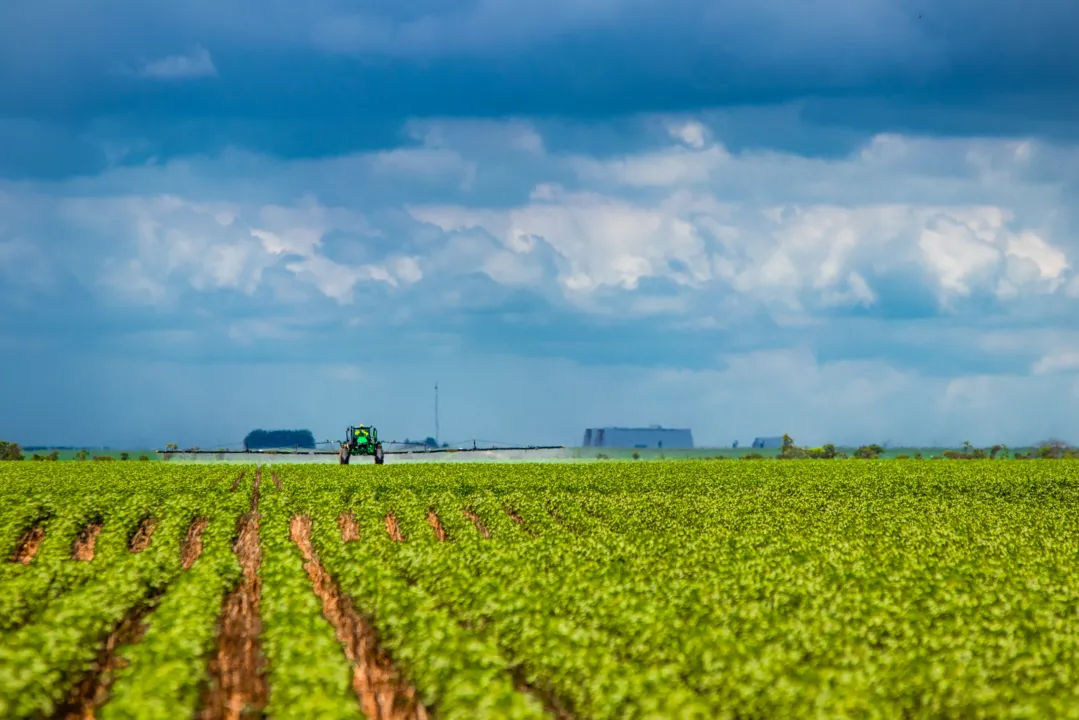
{"type": "Point", "coordinates": [790, 451]}
{"type": "Point", "coordinates": [309, 676]}
{"type": "Point", "coordinates": [614, 590]}
{"type": "Point", "coordinates": [868, 452]}
{"type": "Point", "coordinates": [59, 611]}
{"type": "Point", "coordinates": [10, 451]}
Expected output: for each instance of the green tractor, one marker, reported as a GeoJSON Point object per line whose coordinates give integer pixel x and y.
{"type": "Point", "coordinates": [362, 440]}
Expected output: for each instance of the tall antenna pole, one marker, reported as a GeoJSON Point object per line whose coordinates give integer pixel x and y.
{"type": "Point", "coordinates": [436, 412]}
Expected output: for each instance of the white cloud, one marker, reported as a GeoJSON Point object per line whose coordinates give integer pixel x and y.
{"type": "Point", "coordinates": [1057, 362]}
{"type": "Point", "coordinates": [753, 230]}
{"type": "Point", "coordinates": [691, 133]}
{"type": "Point", "coordinates": [669, 168]}
{"type": "Point", "coordinates": [194, 64]}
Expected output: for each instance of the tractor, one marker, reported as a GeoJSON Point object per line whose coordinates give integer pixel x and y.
{"type": "Point", "coordinates": [362, 440]}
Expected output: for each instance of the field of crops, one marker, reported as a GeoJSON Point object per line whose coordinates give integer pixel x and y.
{"type": "Point", "coordinates": [653, 590]}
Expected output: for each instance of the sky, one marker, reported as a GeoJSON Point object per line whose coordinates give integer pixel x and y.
{"type": "Point", "coordinates": [852, 222]}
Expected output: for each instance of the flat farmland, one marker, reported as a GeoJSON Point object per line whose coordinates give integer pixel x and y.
{"type": "Point", "coordinates": [690, 589]}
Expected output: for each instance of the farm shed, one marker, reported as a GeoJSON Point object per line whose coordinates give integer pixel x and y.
{"type": "Point", "coordinates": [654, 436]}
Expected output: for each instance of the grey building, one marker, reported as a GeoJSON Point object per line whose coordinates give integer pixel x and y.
{"type": "Point", "coordinates": [650, 437]}
{"type": "Point", "coordinates": [768, 442]}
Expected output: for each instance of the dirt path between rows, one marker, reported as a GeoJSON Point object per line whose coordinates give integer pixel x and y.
{"type": "Point", "coordinates": [83, 550]}
{"type": "Point", "coordinates": [350, 529]}
{"type": "Point", "coordinates": [436, 524]}
{"type": "Point", "coordinates": [471, 515]}
{"type": "Point", "coordinates": [237, 682]}
{"type": "Point", "coordinates": [26, 548]}
{"type": "Point", "coordinates": [144, 533]}
{"type": "Point", "coordinates": [381, 691]}
{"type": "Point", "coordinates": [192, 547]}
{"type": "Point", "coordinates": [91, 693]}
{"type": "Point", "coordinates": [519, 521]}
{"type": "Point", "coordinates": [393, 528]}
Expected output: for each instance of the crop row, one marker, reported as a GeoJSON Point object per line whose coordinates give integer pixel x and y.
{"type": "Point", "coordinates": [690, 590]}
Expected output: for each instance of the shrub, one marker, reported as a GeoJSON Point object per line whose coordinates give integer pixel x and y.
{"type": "Point", "coordinates": [10, 451]}
{"type": "Point", "coordinates": [753, 456]}
{"type": "Point", "coordinates": [824, 452]}
{"type": "Point", "coordinates": [143, 458]}
{"type": "Point", "coordinates": [636, 455]}
{"type": "Point", "coordinates": [868, 452]}
{"type": "Point", "coordinates": [124, 456]}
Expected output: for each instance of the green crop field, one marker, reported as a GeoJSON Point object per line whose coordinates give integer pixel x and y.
{"type": "Point", "coordinates": [696, 589]}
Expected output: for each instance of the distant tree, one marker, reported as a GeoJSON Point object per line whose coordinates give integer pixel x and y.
{"type": "Point", "coordinates": [143, 458]}
{"type": "Point", "coordinates": [430, 442]}
{"type": "Point", "coordinates": [825, 452]}
{"type": "Point", "coordinates": [82, 454]}
{"type": "Point", "coordinates": [10, 451]}
{"type": "Point", "coordinates": [267, 439]}
{"type": "Point", "coordinates": [125, 456]}
{"type": "Point", "coordinates": [636, 455]}
{"type": "Point", "coordinates": [790, 451]}
{"type": "Point", "coordinates": [869, 452]}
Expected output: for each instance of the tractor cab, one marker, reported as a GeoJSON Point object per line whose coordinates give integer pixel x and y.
{"type": "Point", "coordinates": [363, 435]}
{"type": "Point", "coordinates": [361, 440]}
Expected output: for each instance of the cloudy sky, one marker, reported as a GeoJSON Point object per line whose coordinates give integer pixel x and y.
{"type": "Point", "coordinates": [849, 221]}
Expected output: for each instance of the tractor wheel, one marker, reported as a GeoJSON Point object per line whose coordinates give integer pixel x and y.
{"type": "Point", "coordinates": [344, 455]}
{"type": "Point", "coordinates": [379, 457]}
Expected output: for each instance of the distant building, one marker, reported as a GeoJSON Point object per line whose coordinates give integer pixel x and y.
{"type": "Point", "coordinates": [650, 437]}
{"type": "Point", "coordinates": [768, 442]}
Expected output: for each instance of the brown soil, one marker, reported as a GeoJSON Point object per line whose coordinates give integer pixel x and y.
{"type": "Point", "coordinates": [84, 545]}
{"type": "Point", "coordinates": [92, 691]}
{"type": "Point", "coordinates": [255, 490]}
{"type": "Point", "coordinates": [192, 546]}
{"type": "Point", "coordinates": [382, 693]}
{"type": "Point", "coordinates": [436, 524]}
{"type": "Point", "coordinates": [237, 683]}
{"type": "Point", "coordinates": [28, 544]}
{"type": "Point", "coordinates": [519, 520]}
{"type": "Point", "coordinates": [276, 480]}
{"type": "Point", "coordinates": [350, 529]}
{"type": "Point", "coordinates": [393, 528]}
{"type": "Point", "coordinates": [237, 481]}
{"type": "Point", "coordinates": [143, 534]}
{"type": "Point", "coordinates": [471, 515]}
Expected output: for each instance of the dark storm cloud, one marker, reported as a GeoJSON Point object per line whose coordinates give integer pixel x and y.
{"type": "Point", "coordinates": [324, 77]}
